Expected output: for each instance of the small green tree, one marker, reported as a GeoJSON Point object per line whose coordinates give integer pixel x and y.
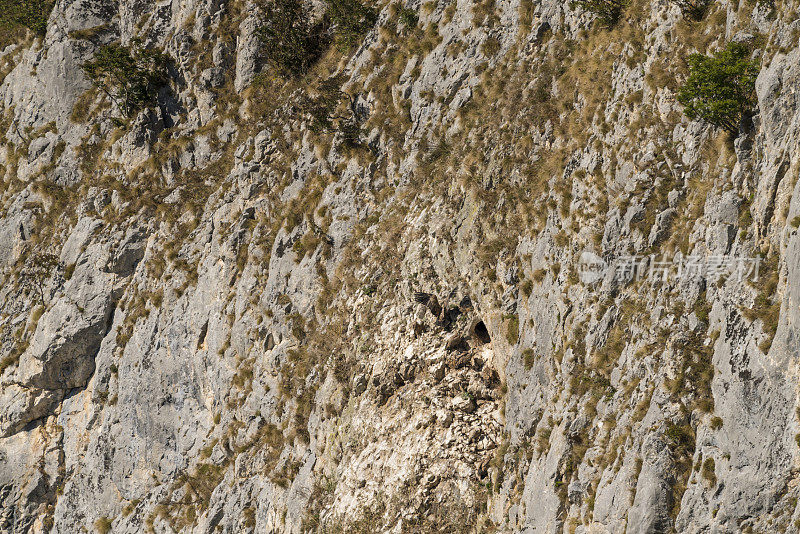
{"type": "Point", "coordinates": [32, 14]}
{"type": "Point", "coordinates": [292, 42]}
{"type": "Point", "coordinates": [129, 75]}
{"type": "Point", "coordinates": [408, 17]}
{"type": "Point", "coordinates": [693, 9]}
{"type": "Point", "coordinates": [36, 273]}
{"type": "Point", "coordinates": [351, 20]}
{"type": "Point", "coordinates": [721, 89]}
{"type": "Point", "coordinates": [331, 109]}
{"type": "Point", "coordinates": [321, 107]}
{"type": "Point", "coordinates": [607, 11]}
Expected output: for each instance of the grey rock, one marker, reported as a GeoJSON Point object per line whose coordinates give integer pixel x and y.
{"type": "Point", "coordinates": [207, 323]}
{"type": "Point", "coordinates": [463, 404]}
{"type": "Point", "coordinates": [23, 405]}
{"type": "Point", "coordinates": [359, 384]}
{"type": "Point", "coordinates": [661, 226]}
{"type": "Point", "coordinates": [69, 333]}
{"type": "Point", "coordinates": [652, 503]}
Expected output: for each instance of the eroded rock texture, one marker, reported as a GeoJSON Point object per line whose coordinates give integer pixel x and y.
{"type": "Point", "coordinates": [217, 315]}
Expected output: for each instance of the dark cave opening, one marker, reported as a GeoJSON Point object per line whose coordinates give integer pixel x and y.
{"type": "Point", "coordinates": [481, 333]}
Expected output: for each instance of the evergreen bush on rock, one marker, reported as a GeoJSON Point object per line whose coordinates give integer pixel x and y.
{"type": "Point", "coordinates": [607, 11]}
{"type": "Point", "coordinates": [720, 89]}
{"type": "Point", "coordinates": [32, 14]}
{"type": "Point", "coordinates": [292, 43]}
{"type": "Point", "coordinates": [129, 75]}
{"type": "Point", "coordinates": [293, 40]}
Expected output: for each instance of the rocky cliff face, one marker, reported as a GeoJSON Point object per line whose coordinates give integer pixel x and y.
{"type": "Point", "coordinates": [217, 317]}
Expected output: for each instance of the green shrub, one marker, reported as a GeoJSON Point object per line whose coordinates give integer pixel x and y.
{"type": "Point", "coordinates": [31, 14]}
{"type": "Point", "coordinates": [766, 4]}
{"type": "Point", "coordinates": [721, 89]}
{"type": "Point", "coordinates": [326, 112]}
{"type": "Point", "coordinates": [351, 20]}
{"type": "Point", "coordinates": [36, 273]}
{"type": "Point", "coordinates": [321, 107]}
{"type": "Point", "coordinates": [291, 42]}
{"type": "Point", "coordinates": [709, 471]}
{"type": "Point", "coordinates": [512, 329]}
{"type": "Point", "coordinates": [681, 437]}
{"type": "Point", "coordinates": [129, 75]}
{"type": "Point", "coordinates": [693, 9]}
{"type": "Point", "coordinates": [607, 11]}
{"type": "Point", "coordinates": [408, 18]}
{"type": "Point", "coordinates": [527, 288]}
{"type": "Point", "coordinates": [528, 358]}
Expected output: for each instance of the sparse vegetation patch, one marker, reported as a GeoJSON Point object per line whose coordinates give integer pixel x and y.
{"type": "Point", "coordinates": [130, 76]}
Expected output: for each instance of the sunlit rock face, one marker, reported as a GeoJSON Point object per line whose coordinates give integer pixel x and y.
{"type": "Point", "coordinates": [470, 269]}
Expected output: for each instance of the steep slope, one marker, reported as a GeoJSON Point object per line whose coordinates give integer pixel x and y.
{"type": "Point", "coordinates": [354, 297]}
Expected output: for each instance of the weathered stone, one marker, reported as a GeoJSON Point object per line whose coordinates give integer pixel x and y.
{"type": "Point", "coordinates": [234, 275]}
